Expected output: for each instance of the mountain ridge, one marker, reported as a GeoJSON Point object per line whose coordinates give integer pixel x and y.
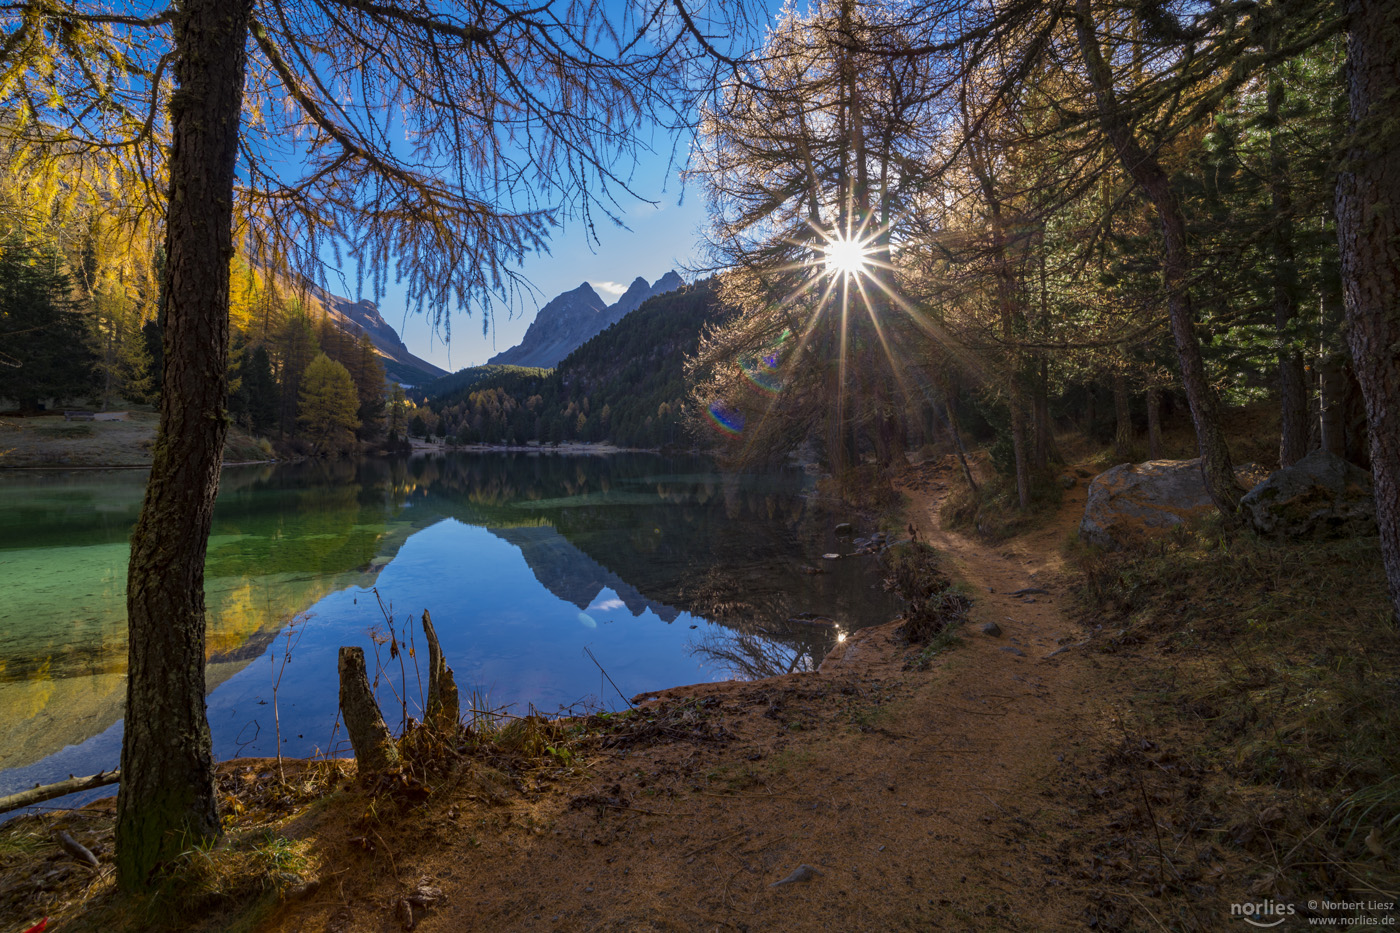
{"type": "Point", "coordinates": [400, 364]}
{"type": "Point", "coordinates": [571, 319]}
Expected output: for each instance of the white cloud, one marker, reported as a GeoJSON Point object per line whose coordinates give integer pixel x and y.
{"type": "Point", "coordinates": [609, 288]}
{"type": "Point", "coordinates": [607, 605]}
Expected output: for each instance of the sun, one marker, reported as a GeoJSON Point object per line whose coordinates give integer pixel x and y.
{"type": "Point", "coordinates": [847, 258]}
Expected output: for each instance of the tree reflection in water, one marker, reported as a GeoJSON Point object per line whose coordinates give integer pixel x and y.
{"type": "Point", "coordinates": [750, 656]}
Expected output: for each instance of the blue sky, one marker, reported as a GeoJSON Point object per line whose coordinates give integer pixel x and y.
{"type": "Point", "coordinates": [658, 238]}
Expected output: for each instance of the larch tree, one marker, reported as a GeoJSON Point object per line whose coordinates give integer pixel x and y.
{"type": "Point", "coordinates": [327, 413]}
{"type": "Point", "coordinates": [806, 153]}
{"type": "Point", "coordinates": [439, 142]}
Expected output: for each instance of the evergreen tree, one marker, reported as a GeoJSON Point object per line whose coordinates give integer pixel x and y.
{"type": "Point", "coordinates": [253, 392]}
{"type": "Point", "coordinates": [370, 386]}
{"type": "Point", "coordinates": [151, 336]}
{"type": "Point", "coordinates": [296, 348]}
{"type": "Point", "coordinates": [326, 413]}
{"type": "Point", "coordinates": [43, 352]}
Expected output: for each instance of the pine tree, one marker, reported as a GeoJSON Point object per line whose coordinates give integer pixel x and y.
{"type": "Point", "coordinates": [43, 352]}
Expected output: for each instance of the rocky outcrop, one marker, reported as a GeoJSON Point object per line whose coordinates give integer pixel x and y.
{"type": "Point", "coordinates": [356, 316]}
{"type": "Point", "coordinates": [1136, 500]}
{"type": "Point", "coordinates": [638, 292]}
{"type": "Point", "coordinates": [1320, 496]}
{"type": "Point", "coordinates": [573, 318]}
{"type": "Point", "coordinates": [561, 325]}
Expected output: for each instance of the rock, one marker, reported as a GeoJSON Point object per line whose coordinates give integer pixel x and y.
{"type": "Point", "coordinates": [800, 873]}
{"type": "Point", "coordinates": [1320, 496]}
{"type": "Point", "coordinates": [1067, 481]}
{"type": "Point", "coordinates": [992, 629]}
{"type": "Point", "coordinates": [831, 557]}
{"type": "Point", "coordinates": [1016, 651]}
{"type": "Point", "coordinates": [1031, 591]}
{"type": "Point", "coordinates": [844, 530]}
{"type": "Point", "coordinates": [1137, 500]}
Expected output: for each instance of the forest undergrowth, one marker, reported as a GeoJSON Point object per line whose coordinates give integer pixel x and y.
{"type": "Point", "coordinates": [1260, 733]}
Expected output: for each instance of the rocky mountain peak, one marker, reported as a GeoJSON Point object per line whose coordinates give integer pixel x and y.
{"type": "Point", "coordinates": [569, 320]}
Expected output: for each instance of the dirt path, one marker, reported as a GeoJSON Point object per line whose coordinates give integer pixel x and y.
{"type": "Point", "coordinates": [918, 800]}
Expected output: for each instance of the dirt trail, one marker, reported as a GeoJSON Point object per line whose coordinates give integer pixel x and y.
{"type": "Point", "coordinates": [922, 800]}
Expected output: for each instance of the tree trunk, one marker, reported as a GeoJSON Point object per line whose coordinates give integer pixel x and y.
{"type": "Point", "coordinates": [41, 792]}
{"type": "Point", "coordinates": [443, 709]}
{"type": "Point", "coordinates": [375, 751]}
{"type": "Point", "coordinates": [1333, 403]}
{"type": "Point", "coordinates": [1011, 320]}
{"type": "Point", "coordinates": [166, 802]}
{"type": "Point", "coordinates": [958, 445]}
{"type": "Point", "coordinates": [1123, 418]}
{"type": "Point", "coordinates": [1368, 234]}
{"type": "Point", "coordinates": [1043, 449]}
{"type": "Point", "coordinates": [1292, 383]}
{"type": "Point", "coordinates": [1147, 173]}
{"type": "Point", "coordinates": [1154, 424]}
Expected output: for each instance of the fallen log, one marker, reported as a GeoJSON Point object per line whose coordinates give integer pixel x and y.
{"type": "Point", "coordinates": [41, 792]}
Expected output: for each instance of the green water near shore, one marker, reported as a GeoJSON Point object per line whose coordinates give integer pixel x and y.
{"type": "Point", "coordinates": [670, 572]}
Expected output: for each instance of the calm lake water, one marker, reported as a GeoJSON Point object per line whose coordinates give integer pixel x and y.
{"type": "Point", "coordinates": [668, 572]}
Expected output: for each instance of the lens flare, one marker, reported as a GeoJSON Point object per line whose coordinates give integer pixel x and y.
{"type": "Point", "coordinates": [763, 373]}
{"type": "Point", "coordinates": [728, 420]}
{"type": "Point", "coordinates": [846, 257]}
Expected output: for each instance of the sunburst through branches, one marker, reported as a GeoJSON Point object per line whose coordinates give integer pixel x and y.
{"type": "Point", "coordinates": [842, 335]}
{"type": "Point", "coordinates": [846, 258]}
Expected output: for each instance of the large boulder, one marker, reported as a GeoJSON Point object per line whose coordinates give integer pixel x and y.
{"type": "Point", "coordinates": [1320, 496]}
{"type": "Point", "coordinates": [1136, 500]}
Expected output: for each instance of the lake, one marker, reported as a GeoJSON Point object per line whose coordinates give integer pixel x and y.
{"type": "Point", "coordinates": [667, 571]}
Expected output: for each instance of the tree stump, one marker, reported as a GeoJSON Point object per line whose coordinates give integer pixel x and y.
{"type": "Point", "coordinates": [443, 708]}
{"type": "Point", "coordinates": [374, 747]}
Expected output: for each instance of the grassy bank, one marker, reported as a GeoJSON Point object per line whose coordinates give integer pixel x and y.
{"type": "Point", "coordinates": [1256, 756]}
{"type": "Point", "coordinates": [49, 442]}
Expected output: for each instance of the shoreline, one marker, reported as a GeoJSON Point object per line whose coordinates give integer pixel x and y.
{"type": "Point", "coordinates": [417, 450]}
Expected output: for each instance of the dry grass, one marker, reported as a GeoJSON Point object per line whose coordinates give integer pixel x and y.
{"type": "Point", "coordinates": [932, 604]}
{"type": "Point", "coordinates": [1266, 724]}
{"type": "Point", "coordinates": [994, 512]}
{"type": "Point", "coordinates": [49, 441]}
{"type": "Point", "coordinates": [227, 885]}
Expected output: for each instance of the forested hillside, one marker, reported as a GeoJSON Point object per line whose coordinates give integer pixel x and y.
{"type": "Point", "coordinates": [82, 311]}
{"type": "Point", "coordinates": [464, 379]}
{"type": "Point", "coordinates": [626, 385]}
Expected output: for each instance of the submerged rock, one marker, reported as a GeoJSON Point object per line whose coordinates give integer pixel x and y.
{"type": "Point", "coordinates": [1320, 496]}
{"type": "Point", "coordinates": [1135, 500]}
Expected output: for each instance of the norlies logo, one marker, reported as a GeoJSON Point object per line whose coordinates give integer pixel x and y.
{"type": "Point", "coordinates": [1262, 914]}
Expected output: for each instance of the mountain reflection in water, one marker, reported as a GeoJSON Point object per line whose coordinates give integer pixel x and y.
{"type": "Point", "coordinates": [666, 570]}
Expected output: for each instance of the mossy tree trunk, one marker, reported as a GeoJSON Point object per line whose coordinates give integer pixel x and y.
{"type": "Point", "coordinates": [1368, 233]}
{"type": "Point", "coordinates": [167, 803]}
{"type": "Point", "coordinates": [375, 751]}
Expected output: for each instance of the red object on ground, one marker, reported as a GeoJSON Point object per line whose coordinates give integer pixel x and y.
{"type": "Point", "coordinates": [38, 927]}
